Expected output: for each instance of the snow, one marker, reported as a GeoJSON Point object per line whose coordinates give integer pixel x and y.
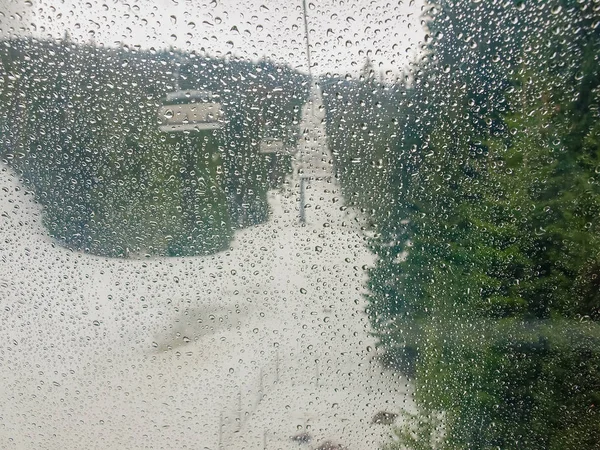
{"type": "Point", "coordinates": [243, 349]}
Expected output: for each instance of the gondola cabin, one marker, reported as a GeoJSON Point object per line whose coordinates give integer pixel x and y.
{"type": "Point", "coordinates": [190, 110]}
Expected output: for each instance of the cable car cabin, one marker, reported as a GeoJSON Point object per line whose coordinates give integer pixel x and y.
{"type": "Point", "coordinates": [190, 110]}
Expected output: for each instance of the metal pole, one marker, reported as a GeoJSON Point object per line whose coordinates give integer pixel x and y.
{"type": "Point", "coordinates": [302, 179]}
{"type": "Point", "coordinates": [302, 199]}
{"type": "Point", "coordinates": [307, 41]}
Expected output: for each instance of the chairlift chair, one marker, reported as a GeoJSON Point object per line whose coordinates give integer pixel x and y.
{"type": "Point", "coordinates": [190, 110]}
{"type": "Point", "coordinates": [271, 145]}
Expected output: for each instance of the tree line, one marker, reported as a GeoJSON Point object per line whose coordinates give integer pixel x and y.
{"type": "Point", "coordinates": [484, 201]}
{"type": "Point", "coordinates": [79, 123]}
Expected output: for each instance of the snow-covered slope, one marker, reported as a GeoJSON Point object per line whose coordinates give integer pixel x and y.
{"type": "Point", "coordinates": [243, 349]}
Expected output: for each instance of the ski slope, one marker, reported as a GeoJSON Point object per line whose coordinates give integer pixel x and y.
{"type": "Point", "coordinates": [244, 349]}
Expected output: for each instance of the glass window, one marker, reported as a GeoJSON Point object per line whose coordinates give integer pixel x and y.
{"type": "Point", "coordinates": [318, 224]}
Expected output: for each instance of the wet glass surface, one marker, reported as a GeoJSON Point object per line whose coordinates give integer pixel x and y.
{"type": "Point", "coordinates": [299, 225]}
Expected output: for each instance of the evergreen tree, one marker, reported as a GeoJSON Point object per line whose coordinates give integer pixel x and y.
{"type": "Point", "coordinates": [485, 289]}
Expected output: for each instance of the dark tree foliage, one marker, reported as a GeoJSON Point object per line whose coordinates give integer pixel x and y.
{"type": "Point", "coordinates": [486, 289]}
{"type": "Point", "coordinates": [79, 122]}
